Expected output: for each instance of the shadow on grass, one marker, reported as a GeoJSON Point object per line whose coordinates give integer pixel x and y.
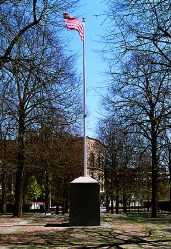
{"type": "Point", "coordinates": [86, 238]}
{"type": "Point", "coordinates": [57, 225]}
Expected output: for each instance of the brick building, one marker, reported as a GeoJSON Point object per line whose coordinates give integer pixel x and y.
{"type": "Point", "coordinates": [95, 161]}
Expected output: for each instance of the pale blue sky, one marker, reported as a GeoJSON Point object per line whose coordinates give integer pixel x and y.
{"type": "Point", "coordinates": [95, 67]}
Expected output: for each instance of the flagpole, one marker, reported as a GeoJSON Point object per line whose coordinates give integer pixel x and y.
{"type": "Point", "coordinates": [84, 104]}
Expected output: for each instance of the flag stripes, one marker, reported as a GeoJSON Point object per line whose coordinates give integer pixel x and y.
{"type": "Point", "coordinates": [73, 23]}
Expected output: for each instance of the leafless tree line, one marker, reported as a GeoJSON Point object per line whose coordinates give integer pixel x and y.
{"type": "Point", "coordinates": [39, 85]}
{"type": "Point", "coordinates": [138, 99]}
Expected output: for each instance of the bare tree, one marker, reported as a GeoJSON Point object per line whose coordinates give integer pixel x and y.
{"type": "Point", "coordinates": [122, 160]}
{"type": "Point", "coordinates": [141, 97]}
{"type": "Point", "coordinates": [143, 26]}
{"type": "Point", "coordinates": [32, 14]}
{"type": "Point", "coordinates": [38, 76]}
{"type": "Point", "coordinates": [55, 161]}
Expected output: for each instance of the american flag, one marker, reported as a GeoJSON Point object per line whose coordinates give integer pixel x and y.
{"type": "Point", "coordinates": [73, 23]}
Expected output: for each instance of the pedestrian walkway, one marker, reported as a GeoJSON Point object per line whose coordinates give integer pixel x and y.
{"type": "Point", "coordinates": [53, 231]}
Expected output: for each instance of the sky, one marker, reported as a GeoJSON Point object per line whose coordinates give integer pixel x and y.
{"type": "Point", "coordinates": [93, 12]}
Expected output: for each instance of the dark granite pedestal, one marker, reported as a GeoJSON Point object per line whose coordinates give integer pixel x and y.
{"type": "Point", "coordinates": [84, 202]}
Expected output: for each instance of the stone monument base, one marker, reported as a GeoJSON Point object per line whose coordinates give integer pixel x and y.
{"type": "Point", "coordinates": [84, 202]}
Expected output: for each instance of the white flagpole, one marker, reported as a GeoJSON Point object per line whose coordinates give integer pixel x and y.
{"type": "Point", "coordinates": [84, 103]}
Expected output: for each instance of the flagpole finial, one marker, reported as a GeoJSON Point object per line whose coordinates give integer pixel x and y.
{"type": "Point", "coordinates": [83, 19]}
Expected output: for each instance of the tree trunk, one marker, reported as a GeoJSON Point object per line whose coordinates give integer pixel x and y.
{"type": "Point", "coordinates": [169, 149]}
{"type": "Point", "coordinates": [19, 187]}
{"type": "Point", "coordinates": [21, 161]}
{"type": "Point", "coordinates": [66, 205]}
{"type": "Point", "coordinates": [117, 204]}
{"type": "Point", "coordinates": [3, 204]}
{"type": "Point", "coordinates": [57, 209]}
{"type": "Point", "coordinates": [154, 200]}
{"type": "Point", "coordinates": [111, 198]}
{"type": "Point", "coordinates": [107, 203]}
{"type": "Point", "coordinates": [47, 193]}
{"type": "Point", "coordinates": [124, 204]}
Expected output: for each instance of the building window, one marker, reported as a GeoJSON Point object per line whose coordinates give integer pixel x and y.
{"type": "Point", "coordinates": [91, 161]}
{"type": "Point", "coordinates": [92, 164]}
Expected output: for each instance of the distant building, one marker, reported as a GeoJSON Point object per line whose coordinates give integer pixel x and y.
{"type": "Point", "coordinates": [95, 161]}
{"type": "Point", "coordinates": [95, 158]}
